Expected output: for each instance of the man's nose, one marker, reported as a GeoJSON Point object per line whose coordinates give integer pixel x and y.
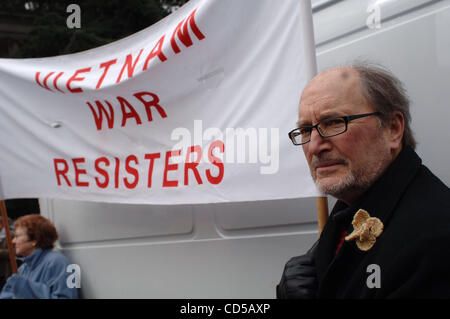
{"type": "Point", "coordinates": [318, 144]}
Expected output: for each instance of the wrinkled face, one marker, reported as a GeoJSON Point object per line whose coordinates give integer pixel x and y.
{"type": "Point", "coordinates": [345, 165]}
{"type": "Point", "coordinates": [24, 246]}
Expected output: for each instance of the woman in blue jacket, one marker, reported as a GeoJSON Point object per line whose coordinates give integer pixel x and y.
{"type": "Point", "coordinates": [43, 273]}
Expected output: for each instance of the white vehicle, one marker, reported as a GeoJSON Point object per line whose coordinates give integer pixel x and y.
{"type": "Point", "coordinates": [238, 250]}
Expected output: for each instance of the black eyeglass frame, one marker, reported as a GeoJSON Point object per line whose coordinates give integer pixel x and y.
{"type": "Point", "coordinates": [347, 119]}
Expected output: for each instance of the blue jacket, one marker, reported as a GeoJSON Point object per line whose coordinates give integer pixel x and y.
{"type": "Point", "coordinates": [43, 274]}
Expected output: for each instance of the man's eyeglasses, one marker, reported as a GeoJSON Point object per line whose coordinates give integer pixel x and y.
{"type": "Point", "coordinates": [326, 128]}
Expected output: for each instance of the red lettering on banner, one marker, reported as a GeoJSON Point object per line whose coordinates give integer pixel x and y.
{"type": "Point", "coordinates": [132, 171]}
{"type": "Point", "coordinates": [102, 172]}
{"type": "Point", "coordinates": [215, 161]}
{"type": "Point", "coordinates": [56, 80]}
{"type": "Point", "coordinates": [126, 115]}
{"type": "Point", "coordinates": [98, 117]}
{"type": "Point", "coordinates": [116, 173]}
{"type": "Point", "coordinates": [152, 158]}
{"type": "Point", "coordinates": [170, 167]}
{"type": "Point", "coordinates": [129, 65]}
{"type": "Point", "coordinates": [148, 99]}
{"type": "Point", "coordinates": [79, 172]}
{"type": "Point", "coordinates": [45, 80]}
{"type": "Point", "coordinates": [183, 35]}
{"type": "Point", "coordinates": [156, 51]}
{"type": "Point", "coordinates": [75, 78]}
{"type": "Point", "coordinates": [147, 104]}
{"type": "Point", "coordinates": [188, 165]}
{"type": "Point", "coordinates": [126, 173]}
{"type": "Point", "coordinates": [44, 84]}
{"type": "Point", "coordinates": [105, 65]}
{"type": "Point", "coordinates": [36, 78]}
{"type": "Point", "coordinates": [61, 172]}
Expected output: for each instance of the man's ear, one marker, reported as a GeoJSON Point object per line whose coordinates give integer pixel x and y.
{"type": "Point", "coordinates": [396, 130]}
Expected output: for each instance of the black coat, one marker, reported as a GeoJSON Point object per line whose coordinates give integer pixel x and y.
{"type": "Point", "coordinates": [413, 252]}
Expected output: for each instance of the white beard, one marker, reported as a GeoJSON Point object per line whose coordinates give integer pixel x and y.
{"type": "Point", "coordinates": [358, 180]}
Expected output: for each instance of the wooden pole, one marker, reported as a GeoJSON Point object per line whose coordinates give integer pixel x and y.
{"type": "Point", "coordinates": [12, 255]}
{"type": "Point", "coordinates": [322, 213]}
{"type": "Point", "coordinates": [311, 71]}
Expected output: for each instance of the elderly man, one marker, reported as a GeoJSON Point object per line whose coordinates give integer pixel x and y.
{"type": "Point", "coordinates": [388, 236]}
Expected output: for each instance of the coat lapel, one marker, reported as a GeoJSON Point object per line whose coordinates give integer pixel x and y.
{"type": "Point", "coordinates": [330, 234]}
{"type": "Point", "coordinates": [380, 201]}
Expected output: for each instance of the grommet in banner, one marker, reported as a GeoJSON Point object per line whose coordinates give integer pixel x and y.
{"type": "Point", "coordinates": [55, 124]}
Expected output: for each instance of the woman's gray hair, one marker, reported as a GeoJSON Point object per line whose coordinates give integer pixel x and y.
{"type": "Point", "coordinates": [386, 94]}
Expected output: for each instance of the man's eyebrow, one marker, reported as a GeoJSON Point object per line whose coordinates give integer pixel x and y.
{"type": "Point", "coordinates": [330, 114]}
{"type": "Point", "coordinates": [301, 123]}
{"type": "Point", "coordinates": [325, 115]}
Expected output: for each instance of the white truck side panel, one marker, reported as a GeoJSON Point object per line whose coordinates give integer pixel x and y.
{"type": "Point", "coordinates": [234, 250]}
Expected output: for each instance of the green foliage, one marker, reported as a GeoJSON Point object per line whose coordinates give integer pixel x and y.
{"type": "Point", "coordinates": [101, 22]}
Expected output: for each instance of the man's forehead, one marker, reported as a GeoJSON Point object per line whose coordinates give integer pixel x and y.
{"type": "Point", "coordinates": [336, 81]}
{"type": "Point", "coordinates": [333, 91]}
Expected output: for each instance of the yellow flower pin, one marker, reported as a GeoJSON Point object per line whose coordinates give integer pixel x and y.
{"type": "Point", "coordinates": [366, 229]}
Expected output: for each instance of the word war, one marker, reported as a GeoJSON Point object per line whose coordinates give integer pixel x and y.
{"type": "Point", "coordinates": [148, 99]}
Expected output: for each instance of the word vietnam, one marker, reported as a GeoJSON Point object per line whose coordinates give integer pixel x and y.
{"type": "Point", "coordinates": [117, 72]}
{"type": "Point", "coordinates": [115, 172]}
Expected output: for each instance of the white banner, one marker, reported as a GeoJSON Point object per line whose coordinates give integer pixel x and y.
{"type": "Point", "coordinates": [194, 109]}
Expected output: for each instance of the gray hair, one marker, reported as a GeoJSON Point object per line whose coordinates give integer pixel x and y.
{"type": "Point", "coordinates": [386, 94]}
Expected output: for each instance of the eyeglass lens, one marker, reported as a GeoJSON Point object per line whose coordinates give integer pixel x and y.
{"type": "Point", "coordinates": [327, 128]}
